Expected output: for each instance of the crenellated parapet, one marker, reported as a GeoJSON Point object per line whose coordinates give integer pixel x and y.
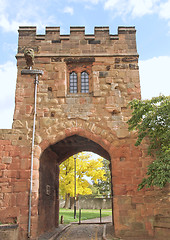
{"type": "Point", "coordinates": [77, 42]}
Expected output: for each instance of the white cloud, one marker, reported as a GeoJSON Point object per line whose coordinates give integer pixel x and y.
{"type": "Point", "coordinates": [165, 10]}
{"type": "Point", "coordinates": [69, 10]}
{"type": "Point", "coordinates": [87, 1]}
{"type": "Point", "coordinates": [8, 75]}
{"type": "Point", "coordinates": [6, 118]}
{"type": "Point", "coordinates": [24, 13]}
{"type": "Point", "coordinates": [135, 8]}
{"type": "Point", "coordinates": [10, 26]}
{"type": "Point", "coordinates": [155, 76]}
{"type": "Point", "coordinates": [3, 4]}
{"type": "Point", "coordinates": [143, 7]}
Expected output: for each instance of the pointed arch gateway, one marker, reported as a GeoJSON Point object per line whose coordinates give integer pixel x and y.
{"type": "Point", "coordinates": [50, 159]}
{"type": "Point", "coordinates": [99, 116]}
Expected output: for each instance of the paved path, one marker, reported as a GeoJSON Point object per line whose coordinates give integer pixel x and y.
{"type": "Point", "coordinates": [87, 231]}
{"type": "Point", "coordinates": [83, 232]}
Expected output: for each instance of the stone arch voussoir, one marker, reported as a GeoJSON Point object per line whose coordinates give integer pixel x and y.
{"type": "Point", "coordinates": [88, 130]}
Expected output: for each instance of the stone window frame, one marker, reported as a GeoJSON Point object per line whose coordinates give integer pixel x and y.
{"type": "Point", "coordinates": [78, 69]}
{"type": "Point", "coordinates": [73, 82]}
{"type": "Point", "coordinates": [84, 82]}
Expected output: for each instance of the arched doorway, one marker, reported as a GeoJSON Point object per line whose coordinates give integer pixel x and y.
{"type": "Point", "coordinates": [53, 155]}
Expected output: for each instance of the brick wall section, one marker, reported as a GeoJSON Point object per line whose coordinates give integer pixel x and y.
{"type": "Point", "coordinates": [100, 116]}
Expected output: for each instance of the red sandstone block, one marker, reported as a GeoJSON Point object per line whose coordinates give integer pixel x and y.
{"type": "Point", "coordinates": [120, 189]}
{"type": "Point", "coordinates": [1, 148]}
{"type": "Point", "coordinates": [25, 152]}
{"type": "Point", "coordinates": [29, 109]}
{"type": "Point", "coordinates": [117, 173]}
{"type": "Point", "coordinates": [10, 212]}
{"type": "Point", "coordinates": [35, 174]}
{"type": "Point", "coordinates": [22, 199]}
{"type": "Point", "coordinates": [36, 164]}
{"type": "Point", "coordinates": [136, 153]}
{"type": "Point", "coordinates": [34, 211]}
{"type": "Point", "coordinates": [11, 174]}
{"type": "Point", "coordinates": [15, 153]}
{"type": "Point", "coordinates": [7, 200]}
{"type": "Point", "coordinates": [24, 211]}
{"type": "Point", "coordinates": [20, 186]}
{"type": "Point", "coordinates": [24, 174]}
{"type": "Point", "coordinates": [18, 98]}
{"type": "Point", "coordinates": [35, 185]}
{"type": "Point", "coordinates": [44, 144]}
{"type": "Point", "coordinates": [2, 166]}
{"type": "Point", "coordinates": [4, 154]}
{"type": "Point", "coordinates": [137, 199]}
{"type": "Point", "coordinates": [28, 92]}
{"type": "Point", "coordinates": [123, 151]}
{"type": "Point", "coordinates": [10, 148]}
{"type": "Point", "coordinates": [25, 164]}
{"type": "Point", "coordinates": [4, 180]}
{"type": "Point", "coordinates": [13, 199]}
{"type": "Point", "coordinates": [23, 219]}
{"type": "Point", "coordinates": [35, 198]}
{"type": "Point", "coordinates": [37, 151]}
{"type": "Point", "coordinates": [7, 160]}
{"type": "Point", "coordinates": [6, 189]}
{"type": "Point", "coordinates": [5, 142]}
{"type": "Point", "coordinates": [24, 229]}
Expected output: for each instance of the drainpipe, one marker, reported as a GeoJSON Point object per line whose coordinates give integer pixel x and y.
{"type": "Point", "coordinates": [36, 73]}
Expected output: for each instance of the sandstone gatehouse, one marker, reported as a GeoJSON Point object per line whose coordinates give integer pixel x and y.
{"type": "Point", "coordinates": [81, 105]}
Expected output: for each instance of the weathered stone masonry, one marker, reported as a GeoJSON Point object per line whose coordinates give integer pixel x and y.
{"type": "Point", "coordinates": [71, 122]}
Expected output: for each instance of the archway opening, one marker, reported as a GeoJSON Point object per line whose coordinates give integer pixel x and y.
{"type": "Point", "coordinates": [85, 189]}
{"type": "Point", "coordinates": [51, 158]}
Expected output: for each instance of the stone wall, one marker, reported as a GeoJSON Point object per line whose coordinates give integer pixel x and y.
{"type": "Point", "coordinates": [9, 231]}
{"type": "Point", "coordinates": [14, 178]}
{"type": "Point", "coordinates": [95, 203]}
{"type": "Point", "coordinates": [69, 123]}
{"type": "Point", "coordinates": [89, 203]}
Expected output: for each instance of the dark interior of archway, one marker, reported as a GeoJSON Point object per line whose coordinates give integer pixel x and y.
{"type": "Point", "coordinates": [74, 144]}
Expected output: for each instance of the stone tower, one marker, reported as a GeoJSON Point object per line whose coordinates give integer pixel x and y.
{"type": "Point", "coordinates": [81, 104]}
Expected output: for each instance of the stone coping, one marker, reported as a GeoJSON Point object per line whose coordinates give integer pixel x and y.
{"type": "Point", "coordinates": [19, 55]}
{"type": "Point", "coordinates": [8, 226]}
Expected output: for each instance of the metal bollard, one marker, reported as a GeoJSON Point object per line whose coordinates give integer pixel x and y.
{"type": "Point", "coordinates": [80, 216]}
{"type": "Point", "coordinates": [100, 215]}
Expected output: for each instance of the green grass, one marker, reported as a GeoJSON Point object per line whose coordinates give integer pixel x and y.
{"type": "Point", "coordinates": [85, 214]}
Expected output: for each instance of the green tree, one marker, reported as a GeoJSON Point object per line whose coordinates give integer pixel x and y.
{"type": "Point", "coordinates": [151, 119]}
{"type": "Point", "coordinates": [87, 170]}
{"type": "Point", "coordinates": [103, 187]}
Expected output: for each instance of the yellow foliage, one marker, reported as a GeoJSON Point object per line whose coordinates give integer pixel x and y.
{"type": "Point", "coordinates": [85, 168]}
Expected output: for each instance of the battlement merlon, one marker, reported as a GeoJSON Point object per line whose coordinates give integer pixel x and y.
{"type": "Point", "coordinates": [79, 43]}
{"type": "Point", "coordinates": [31, 30]}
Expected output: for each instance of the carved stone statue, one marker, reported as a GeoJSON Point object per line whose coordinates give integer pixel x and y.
{"type": "Point", "coordinates": [29, 57]}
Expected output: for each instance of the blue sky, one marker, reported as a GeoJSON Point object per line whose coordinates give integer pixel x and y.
{"type": "Point", "coordinates": [150, 17]}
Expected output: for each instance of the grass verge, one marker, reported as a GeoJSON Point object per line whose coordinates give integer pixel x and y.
{"type": "Point", "coordinates": [68, 214]}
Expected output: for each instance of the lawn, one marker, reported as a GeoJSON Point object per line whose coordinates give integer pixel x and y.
{"type": "Point", "coordinates": [68, 214]}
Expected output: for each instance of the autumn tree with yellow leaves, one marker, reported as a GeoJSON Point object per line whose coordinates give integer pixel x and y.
{"type": "Point", "coordinates": [88, 169]}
